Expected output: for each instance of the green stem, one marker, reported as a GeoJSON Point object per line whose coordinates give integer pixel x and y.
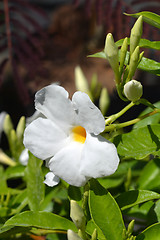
{"type": "Point", "coordinates": [131, 122]}
{"type": "Point", "coordinates": [117, 115]}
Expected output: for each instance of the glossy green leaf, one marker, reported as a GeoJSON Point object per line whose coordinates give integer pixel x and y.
{"type": "Point", "coordinates": [148, 17]}
{"type": "Point", "coordinates": [35, 185]}
{"type": "Point", "coordinates": [134, 197]}
{"type": "Point", "coordinates": [151, 233]}
{"type": "Point", "coordinates": [15, 172]}
{"type": "Point", "coordinates": [44, 220]}
{"type": "Point", "coordinates": [139, 143]}
{"type": "Point", "coordinates": [74, 193]}
{"type": "Point", "coordinates": [154, 119]}
{"type": "Point", "coordinates": [150, 176]}
{"type": "Point", "coordinates": [98, 55]}
{"type": "Point", "coordinates": [154, 213]}
{"type": "Point", "coordinates": [90, 228]}
{"type": "Point", "coordinates": [149, 65]}
{"type": "Point", "coordinates": [145, 43]}
{"type": "Point", "coordinates": [105, 211]}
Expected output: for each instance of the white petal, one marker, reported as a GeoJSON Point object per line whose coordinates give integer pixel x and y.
{"type": "Point", "coordinates": [44, 138]}
{"type": "Point", "coordinates": [66, 164]}
{"type": "Point", "coordinates": [99, 157]}
{"type": "Point", "coordinates": [53, 102]}
{"type": "Point", "coordinates": [51, 180]}
{"type": "Point", "coordinates": [35, 115]}
{"type": "Point", "coordinates": [23, 159]}
{"type": "Point", "coordinates": [89, 116]}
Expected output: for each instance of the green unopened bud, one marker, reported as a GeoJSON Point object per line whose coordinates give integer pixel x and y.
{"type": "Point", "coordinates": [94, 235]}
{"type": "Point", "coordinates": [133, 90]}
{"type": "Point", "coordinates": [20, 128]}
{"type": "Point", "coordinates": [80, 80]}
{"type": "Point", "coordinates": [134, 61]}
{"type": "Point", "coordinates": [130, 227]}
{"type": "Point", "coordinates": [72, 235]}
{"type": "Point", "coordinates": [111, 52]}
{"type": "Point", "coordinates": [136, 34]}
{"type": "Point", "coordinates": [77, 215]}
{"type": "Point", "coordinates": [104, 101]}
{"type": "Point", "coordinates": [123, 53]}
{"type": "Point", "coordinates": [7, 125]}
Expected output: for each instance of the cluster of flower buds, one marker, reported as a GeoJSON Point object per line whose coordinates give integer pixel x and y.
{"type": "Point", "coordinates": [78, 217]}
{"type": "Point", "coordinates": [124, 63]}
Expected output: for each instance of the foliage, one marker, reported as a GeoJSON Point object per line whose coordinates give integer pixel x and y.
{"type": "Point", "coordinates": [112, 205]}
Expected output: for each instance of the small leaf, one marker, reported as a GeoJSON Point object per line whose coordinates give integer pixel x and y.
{"type": "Point", "coordinates": [148, 17]}
{"type": "Point", "coordinates": [139, 143]}
{"type": "Point", "coordinates": [154, 119]}
{"type": "Point", "coordinates": [105, 211]}
{"type": "Point", "coordinates": [134, 197]}
{"type": "Point", "coordinates": [35, 185]}
{"type": "Point", "coordinates": [15, 172]}
{"type": "Point", "coordinates": [44, 220]}
{"type": "Point", "coordinates": [151, 233]}
{"type": "Point", "coordinates": [150, 176]}
{"type": "Point", "coordinates": [98, 55]}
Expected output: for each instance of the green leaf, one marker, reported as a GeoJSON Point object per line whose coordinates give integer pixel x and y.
{"type": "Point", "coordinates": [150, 176]}
{"type": "Point", "coordinates": [7, 232]}
{"type": "Point", "coordinates": [144, 43]}
{"type": "Point", "coordinates": [149, 65]}
{"type": "Point", "coordinates": [90, 228]}
{"type": "Point", "coordinates": [134, 197]}
{"type": "Point", "coordinates": [15, 172]}
{"type": "Point", "coordinates": [148, 17]}
{"type": "Point", "coordinates": [34, 180]}
{"type": "Point", "coordinates": [139, 143]}
{"type": "Point", "coordinates": [43, 220]}
{"type": "Point", "coordinates": [154, 119]}
{"type": "Point", "coordinates": [105, 211]}
{"type": "Point", "coordinates": [98, 55]}
{"type": "Point", "coordinates": [151, 233]}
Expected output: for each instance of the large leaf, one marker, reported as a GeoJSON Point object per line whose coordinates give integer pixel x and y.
{"type": "Point", "coordinates": [139, 143]}
{"type": "Point", "coordinates": [154, 119]}
{"type": "Point", "coordinates": [43, 220]}
{"type": "Point", "coordinates": [149, 65]}
{"type": "Point", "coordinates": [149, 17]}
{"type": "Point", "coordinates": [145, 43]}
{"type": "Point", "coordinates": [151, 233]}
{"type": "Point", "coordinates": [150, 176]}
{"type": "Point", "coordinates": [105, 212]}
{"type": "Point", "coordinates": [35, 185]}
{"type": "Point", "coordinates": [134, 197]}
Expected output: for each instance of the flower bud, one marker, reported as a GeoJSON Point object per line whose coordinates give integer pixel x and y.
{"type": "Point", "coordinates": [111, 52]}
{"type": "Point", "coordinates": [7, 125]}
{"type": "Point", "coordinates": [104, 101]}
{"type": "Point", "coordinates": [77, 215]}
{"type": "Point", "coordinates": [80, 80]}
{"type": "Point", "coordinates": [94, 235]}
{"type": "Point", "coordinates": [123, 53]}
{"type": "Point", "coordinates": [134, 61]}
{"type": "Point", "coordinates": [136, 34]}
{"type": "Point", "coordinates": [20, 128]}
{"type": "Point", "coordinates": [133, 90]}
{"type": "Point", "coordinates": [72, 235]}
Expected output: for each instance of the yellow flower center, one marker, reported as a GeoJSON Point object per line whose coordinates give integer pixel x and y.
{"type": "Point", "coordinates": [79, 134]}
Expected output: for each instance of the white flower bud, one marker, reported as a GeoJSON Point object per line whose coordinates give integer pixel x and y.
{"type": "Point", "coordinates": [72, 235]}
{"type": "Point", "coordinates": [133, 90]}
{"type": "Point", "coordinates": [77, 215]}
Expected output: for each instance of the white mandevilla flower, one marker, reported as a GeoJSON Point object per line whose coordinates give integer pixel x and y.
{"type": "Point", "coordinates": [68, 138]}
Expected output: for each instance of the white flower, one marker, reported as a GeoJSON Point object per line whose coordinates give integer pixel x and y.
{"type": "Point", "coordinates": [69, 137]}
